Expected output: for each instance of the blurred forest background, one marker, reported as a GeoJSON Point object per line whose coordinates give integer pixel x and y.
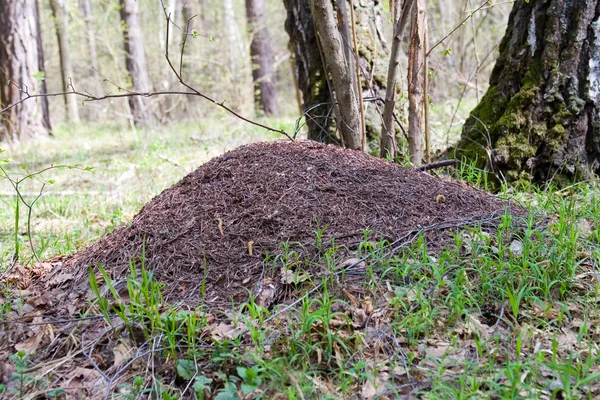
{"type": "Point", "coordinates": [217, 59]}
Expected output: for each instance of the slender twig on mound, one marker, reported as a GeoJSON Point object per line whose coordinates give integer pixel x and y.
{"type": "Point", "coordinates": [437, 164]}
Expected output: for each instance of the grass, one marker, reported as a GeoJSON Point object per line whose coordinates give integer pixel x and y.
{"type": "Point", "coordinates": [511, 313]}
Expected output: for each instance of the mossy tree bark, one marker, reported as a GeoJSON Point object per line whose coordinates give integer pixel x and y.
{"type": "Point", "coordinates": [310, 73]}
{"type": "Point", "coordinates": [540, 116]}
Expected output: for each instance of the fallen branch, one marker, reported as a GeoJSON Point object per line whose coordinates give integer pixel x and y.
{"type": "Point", "coordinates": [437, 164]}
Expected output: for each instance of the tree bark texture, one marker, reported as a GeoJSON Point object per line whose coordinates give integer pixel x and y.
{"type": "Point", "coordinates": [540, 116]}
{"type": "Point", "coordinates": [21, 72]}
{"type": "Point", "coordinates": [310, 72]}
{"type": "Point", "coordinates": [61, 24]}
{"type": "Point", "coordinates": [333, 53]}
{"type": "Point", "coordinates": [135, 62]}
{"type": "Point", "coordinates": [416, 76]}
{"type": "Point", "coordinates": [237, 56]}
{"type": "Point", "coordinates": [403, 10]}
{"type": "Point", "coordinates": [261, 57]}
{"type": "Point", "coordinates": [86, 8]}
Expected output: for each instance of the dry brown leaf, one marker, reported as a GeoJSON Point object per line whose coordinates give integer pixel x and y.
{"type": "Point", "coordinates": [59, 279]}
{"type": "Point", "coordinates": [368, 306]}
{"type": "Point", "coordinates": [372, 389]}
{"type": "Point", "coordinates": [359, 317]}
{"type": "Point", "coordinates": [225, 331]}
{"type": "Point", "coordinates": [40, 335]}
{"type": "Point", "coordinates": [121, 353]}
{"type": "Point", "coordinates": [480, 329]}
{"type": "Point", "coordinates": [266, 293]}
{"type": "Point", "coordinates": [352, 262]}
{"type": "Point", "coordinates": [350, 296]}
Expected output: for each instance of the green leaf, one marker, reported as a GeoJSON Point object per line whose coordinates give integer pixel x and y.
{"type": "Point", "coordinates": [447, 52]}
{"type": "Point", "coordinates": [195, 34]}
{"type": "Point", "coordinates": [242, 373]}
{"type": "Point", "coordinates": [138, 381]}
{"type": "Point", "coordinates": [55, 392]}
{"type": "Point", "coordinates": [186, 369]}
{"type": "Point", "coordinates": [212, 38]}
{"type": "Point", "coordinates": [38, 76]}
{"type": "Point", "coordinates": [248, 388]}
{"type": "Point", "coordinates": [201, 382]}
{"type": "Point", "coordinates": [229, 392]}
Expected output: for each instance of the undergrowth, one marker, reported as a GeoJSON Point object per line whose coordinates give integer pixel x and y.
{"type": "Point", "coordinates": [511, 312]}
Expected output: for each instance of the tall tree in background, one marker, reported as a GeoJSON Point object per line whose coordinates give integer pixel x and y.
{"type": "Point", "coordinates": [86, 8]}
{"type": "Point", "coordinates": [540, 116]}
{"type": "Point", "coordinates": [310, 72]}
{"type": "Point", "coordinates": [135, 61]}
{"type": "Point", "coordinates": [22, 72]}
{"type": "Point", "coordinates": [261, 56]}
{"type": "Point", "coordinates": [61, 24]}
{"type": "Point", "coordinates": [235, 46]}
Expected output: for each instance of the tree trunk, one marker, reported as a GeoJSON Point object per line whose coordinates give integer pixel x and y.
{"type": "Point", "coordinates": [135, 62]}
{"type": "Point", "coordinates": [403, 10]}
{"type": "Point", "coordinates": [540, 116]}
{"type": "Point", "coordinates": [236, 49]}
{"type": "Point", "coordinates": [333, 53]}
{"type": "Point", "coordinates": [261, 56]}
{"type": "Point", "coordinates": [22, 72]}
{"type": "Point", "coordinates": [61, 24]}
{"type": "Point", "coordinates": [310, 72]}
{"type": "Point", "coordinates": [86, 7]}
{"type": "Point", "coordinates": [416, 76]}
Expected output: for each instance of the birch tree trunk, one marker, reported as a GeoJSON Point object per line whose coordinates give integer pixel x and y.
{"type": "Point", "coordinates": [22, 72]}
{"type": "Point", "coordinates": [61, 24]}
{"type": "Point", "coordinates": [540, 118]}
{"type": "Point", "coordinates": [261, 57]}
{"type": "Point", "coordinates": [135, 62]}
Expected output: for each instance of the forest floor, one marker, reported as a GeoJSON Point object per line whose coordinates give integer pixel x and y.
{"type": "Point", "coordinates": [289, 271]}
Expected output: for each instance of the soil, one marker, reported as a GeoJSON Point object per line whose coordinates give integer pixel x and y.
{"type": "Point", "coordinates": [207, 237]}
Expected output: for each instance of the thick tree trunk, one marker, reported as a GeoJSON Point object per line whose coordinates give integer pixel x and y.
{"type": "Point", "coordinates": [540, 116]}
{"type": "Point", "coordinates": [135, 62]}
{"type": "Point", "coordinates": [341, 77]}
{"type": "Point", "coordinates": [261, 56]}
{"type": "Point", "coordinates": [310, 72]}
{"type": "Point", "coordinates": [22, 72]}
{"type": "Point", "coordinates": [61, 24]}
